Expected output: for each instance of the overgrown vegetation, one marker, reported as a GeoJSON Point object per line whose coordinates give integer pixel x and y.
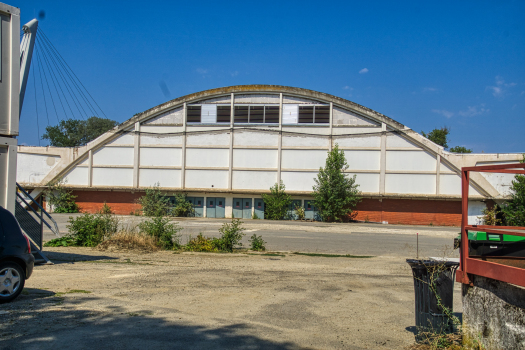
{"type": "Point", "coordinates": [75, 132]}
{"type": "Point", "coordinates": [490, 216]}
{"type": "Point", "coordinates": [300, 212]}
{"type": "Point", "coordinates": [514, 208]}
{"type": "Point", "coordinates": [164, 232]}
{"type": "Point", "coordinates": [257, 243]}
{"type": "Point", "coordinates": [231, 235]}
{"type": "Point", "coordinates": [276, 203]}
{"type": "Point", "coordinates": [335, 193]}
{"type": "Point", "coordinates": [182, 206]}
{"type": "Point", "coordinates": [154, 203]}
{"type": "Point", "coordinates": [60, 198]}
{"type": "Point", "coordinates": [87, 230]}
{"type": "Point", "coordinates": [201, 244]}
{"type": "Point", "coordinates": [106, 209]}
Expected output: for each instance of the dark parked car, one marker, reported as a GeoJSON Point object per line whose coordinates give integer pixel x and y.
{"type": "Point", "coordinates": [16, 260]}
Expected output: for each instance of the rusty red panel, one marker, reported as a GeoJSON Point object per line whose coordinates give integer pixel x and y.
{"type": "Point", "coordinates": [509, 274]}
{"type": "Point", "coordinates": [494, 167]}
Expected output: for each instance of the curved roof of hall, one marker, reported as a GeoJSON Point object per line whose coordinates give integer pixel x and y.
{"type": "Point", "coordinates": [257, 88]}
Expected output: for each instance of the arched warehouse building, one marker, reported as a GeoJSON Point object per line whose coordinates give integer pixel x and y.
{"type": "Point", "coordinates": [225, 147]}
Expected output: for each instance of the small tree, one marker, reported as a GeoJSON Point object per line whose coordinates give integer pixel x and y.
{"type": "Point", "coordinates": [75, 132]}
{"type": "Point", "coordinates": [154, 203]}
{"type": "Point", "coordinates": [182, 207]}
{"type": "Point", "coordinates": [335, 194]}
{"type": "Point", "coordinates": [460, 149]}
{"type": "Point", "coordinates": [438, 136]}
{"type": "Point", "coordinates": [276, 203]}
{"type": "Point", "coordinates": [514, 208]}
{"type": "Point", "coordinates": [60, 198]}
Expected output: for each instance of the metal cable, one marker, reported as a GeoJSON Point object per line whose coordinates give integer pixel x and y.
{"type": "Point", "coordinates": [36, 108]}
{"type": "Point", "coordinates": [47, 82]}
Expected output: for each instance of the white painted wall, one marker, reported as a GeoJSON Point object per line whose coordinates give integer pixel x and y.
{"type": "Point", "coordinates": [250, 139]}
{"type": "Point", "coordinates": [249, 180]}
{"type": "Point", "coordinates": [207, 157]}
{"type": "Point", "coordinates": [164, 177]}
{"type": "Point", "coordinates": [207, 178]}
{"type": "Point", "coordinates": [255, 158]}
{"type": "Point", "coordinates": [346, 117]}
{"type": "Point", "coordinates": [113, 156]}
{"type": "Point", "coordinates": [298, 181]}
{"type": "Point", "coordinates": [368, 183]}
{"type": "Point", "coordinates": [160, 156]}
{"type": "Point", "coordinates": [175, 116]}
{"type": "Point", "coordinates": [116, 177]}
{"type": "Point", "coordinates": [363, 160]}
{"type": "Point", "coordinates": [475, 212]}
{"type": "Point", "coordinates": [359, 141]}
{"type": "Point", "coordinates": [410, 161]}
{"type": "Point", "coordinates": [394, 141]}
{"type": "Point", "coordinates": [218, 139]}
{"type": "Point", "coordinates": [127, 139]}
{"type": "Point", "coordinates": [32, 168]}
{"type": "Point", "coordinates": [305, 141]}
{"type": "Point", "coordinates": [257, 98]}
{"type": "Point", "coordinates": [160, 140]}
{"type": "Point", "coordinates": [303, 159]}
{"type": "Point", "coordinates": [77, 176]}
{"type": "Point", "coordinates": [410, 183]}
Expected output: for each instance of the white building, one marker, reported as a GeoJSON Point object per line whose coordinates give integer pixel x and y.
{"type": "Point", "coordinates": [229, 145]}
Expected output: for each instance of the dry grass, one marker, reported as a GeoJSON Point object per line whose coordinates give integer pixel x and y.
{"type": "Point", "coordinates": [130, 240]}
{"type": "Point", "coordinates": [433, 341]}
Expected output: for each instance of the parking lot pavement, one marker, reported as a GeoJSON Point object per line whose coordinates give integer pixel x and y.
{"type": "Point", "coordinates": [165, 300]}
{"type": "Point", "coordinates": [347, 238]}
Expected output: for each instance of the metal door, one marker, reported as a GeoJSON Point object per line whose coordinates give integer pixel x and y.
{"type": "Point", "coordinates": [310, 211]}
{"type": "Point", "coordinates": [237, 208]}
{"type": "Point", "coordinates": [246, 208]}
{"type": "Point", "coordinates": [220, 204]}
{"type": "Point", "coordinates": [292, 215]}
{"type": "Point", "coordinates": [259, 208]}
{"type": "Point", "coordinates": [211, 204]}
{"type": "Point", "coordinates": [198, 206]}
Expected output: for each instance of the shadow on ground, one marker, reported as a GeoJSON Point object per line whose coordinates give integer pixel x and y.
{"type": "Point", "coordinates": [64, 258]}
{"type": "Point", "coordinates": [42, 320]}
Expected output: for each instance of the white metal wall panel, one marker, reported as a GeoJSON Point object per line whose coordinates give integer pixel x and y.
{"type": "Point", "coordinates": [396, 141]}
{"type": "Point", "coordinates": [164, 177]}
{"type": "Point", "coordinates": [450, 184]}
{"type": "Point", "coordinates": [208, 114]}
{"type": "Point", "coordinates": [368, 183]}
{"type": "Point", "coordinates": [410, 183]}
{"type": "Point", "coordinates": [410, 160]}
{"type": "Point", "coordinates": [359, 141]}
{"type": "Point", "coordinates": [475, 212]}
{"type": "Point", "coordinates": [253, 180]}
{"type": "Point", "coordinates": [298, 181]}
{"type": "Point", "coordinates": [257, 98]}
{"type": "Point", "coordinates": [77, 176]}
{"type": "Point", "coordinates": [207, 157]}
{"type": "Point", "coordinates": [113, 156]}
{"type": "Point", "coordinates": [293, 99]}
{"type": "Point", "coordinates": [33, 168]}
{"type": "Point", "coordinates": [222, 139]}
{"type": "Point", "coordinates": [305, 141]}
{"type": "Point", "coordinates": [363, 160]}
{"type": "Point", "coordinates": [160, 156]}
{"type": "Point", "coordinates": [303, 159]}
{"type": "Point", "coordinates": [126, 139]}
{"type": "Point", "coordinates": [206, 179]}
{"type": "Point", "coordinates": [219, 100]}
{"type": "Point", "coordinates": [290, 114]}
{"type": "Point", "coordinates": [249, 138]}
{"type": "Point", "coordinates": [255, 158]}
{"type": "Point", "coordinates": [344, 117]}
{"type": "Point", "coordinates": [160, 140]}
{"type": "Point", "coordinates": [116, 177]}
{"type": "Point", "coordinates": [175, 116]}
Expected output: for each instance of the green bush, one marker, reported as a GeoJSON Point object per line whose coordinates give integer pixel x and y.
{"type": "Point", "coordinates": [231, 236]}
{"type": "Point", "coordinates": [165, 232]}
{"type": "Point", "coordinates": [514, 208]}
{"type": "Point", "coordinates": [106, 209]}
{"type": "Point", "coordinates": [154, 203]}
{"type": "Point", "coordinates": [90, 230]}
{"type": "Point", "coordinates": [202, 244]}
{"type": "Point", "coordinates": [61, 199]}
{"type": "Point", "coordinates": [64, 241]}
{"type": "Point", "coordinates": [276, 203]}
{"type": "Point", "coordinates": [257, 243]}
{"type": "Point", "coordinates": [300, 212]}
{"type": "Point", "coordinates": [182, 206]}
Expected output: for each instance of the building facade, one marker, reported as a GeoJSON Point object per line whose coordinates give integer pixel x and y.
{"type": "Point", "coordinates": [225, 147]}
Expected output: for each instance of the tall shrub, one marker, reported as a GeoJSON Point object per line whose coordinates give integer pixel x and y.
{"type": "Point", "coordinates": [335, 193]}
{"type": "Point", "coordinates": [60, 198]}
{"type": "Point", "coordinates": [182, 206]}
{"type": "Point", "coordinates": [90, 230]}
{"type": "Point", "coordinates": [514, 208]}
{"type": "Point", "coordinates": [154, 203]}
{"type": "Point", "coordinates": [276, 203]}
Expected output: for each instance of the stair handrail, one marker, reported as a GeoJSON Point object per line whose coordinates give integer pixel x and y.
{"type": "Point", "coordinates": [55, 230]}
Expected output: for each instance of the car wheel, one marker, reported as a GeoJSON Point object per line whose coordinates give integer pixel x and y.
{"type": "Point", "coordinates": [12, 280]}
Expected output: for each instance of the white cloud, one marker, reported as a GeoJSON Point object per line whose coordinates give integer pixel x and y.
{"type": "Point", "coordinates": [473, 111]}
{"type": "Point", "coordinates": [348, 88]}
{"type": "Point", "coordinates": [363, 71]}
{"type": "Point", "coordinates": [234, 74]}
{"type": "Point", "coordinates": [500, 89]}
{"type": "Point", "coordinates": [443, 112]}
{"type": "Point", "coordinates": [429, 89]}
{"type": "Point", "coordinates": [202, 71]}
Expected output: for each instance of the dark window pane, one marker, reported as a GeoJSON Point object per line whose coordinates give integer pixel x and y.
{"type": "Point", "coordinates": [223, 114]}
{"type": "Point", "coordinates": [220, 202]}
{"type": "Point", "coordinates": [198, 202]}
{"type": "Point", "coordinates": [306, 114]}
{"type": "Point", "coordinates": [238, 204]}
{"type": "Point", "coordinates": [271, 114]}
{"type": "Point", "coordinates": [194, 114]}
{"type": "Point", "coordinates": [322, 114]}
{"type": "Point", "coordinates": [256, 114]}
{"type": "Point", "coordinates": [241, 114]}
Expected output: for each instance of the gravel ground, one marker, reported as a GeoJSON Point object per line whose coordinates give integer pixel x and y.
{"type": "Point", "coordinates": [164, 300]}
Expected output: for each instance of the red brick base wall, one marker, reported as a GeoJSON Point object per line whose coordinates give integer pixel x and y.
{"type": "Point", "coordinates": [394, 211]}
{"type": "Point", "coordinates": [122, 203]}
{"type": "Point", "coordinates": [410, 212]}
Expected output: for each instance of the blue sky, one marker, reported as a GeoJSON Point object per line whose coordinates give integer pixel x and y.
{"type": "Point", "coordinates": [459, 64]}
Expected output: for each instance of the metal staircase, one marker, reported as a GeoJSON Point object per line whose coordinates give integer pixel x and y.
{"type": "Point", "coordinates": [32, 222]}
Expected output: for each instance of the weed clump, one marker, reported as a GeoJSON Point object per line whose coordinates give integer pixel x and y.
{"type": "Point", "coordinates": [231, 236]}
{"type": "Point", "coordinates": [202, 244]}
{"type": "Point", "coordinates": [163, 231]}
{"type": "Point", "coordinates": [257, 243]}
